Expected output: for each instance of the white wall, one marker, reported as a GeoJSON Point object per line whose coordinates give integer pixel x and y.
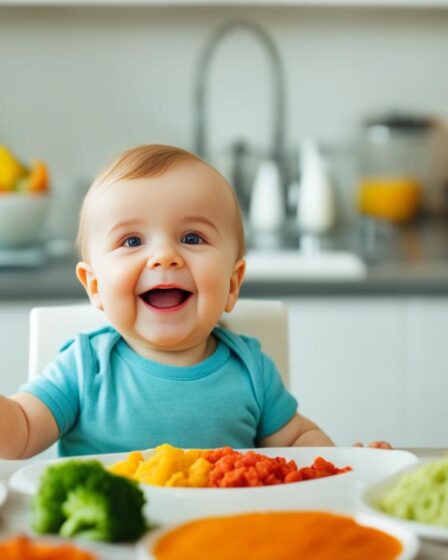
{"type": "Point", "coordinates": [79, 84]}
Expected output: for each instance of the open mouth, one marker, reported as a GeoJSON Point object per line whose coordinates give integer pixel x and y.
{"type": "Point", "coordinates": [165, 298]}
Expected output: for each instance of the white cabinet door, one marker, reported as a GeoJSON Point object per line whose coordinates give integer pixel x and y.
{"type": "Point", "coordinates": [426, 412]}
{"type": "Point", "coordinates": [347, 358]}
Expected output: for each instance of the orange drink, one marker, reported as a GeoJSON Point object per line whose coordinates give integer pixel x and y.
{"type": "Point", "coordinates": [395, 199]}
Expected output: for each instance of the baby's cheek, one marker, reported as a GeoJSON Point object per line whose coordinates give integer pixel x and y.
{"type": "Point", "coordinates": [121, 314]}
{"type": "Point", "coordinates": [215, 269]}
{"type": "Point", "coordinates": [120, 304]}
{"type": "Point", "coordinates": [214, 282]}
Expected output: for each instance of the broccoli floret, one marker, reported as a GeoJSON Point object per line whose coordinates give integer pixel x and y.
{"type": "Point", "coordinates": [81, 498]}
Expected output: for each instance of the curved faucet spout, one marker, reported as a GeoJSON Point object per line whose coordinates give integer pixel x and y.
{"type": "Point", "coordinates": [278, 137]}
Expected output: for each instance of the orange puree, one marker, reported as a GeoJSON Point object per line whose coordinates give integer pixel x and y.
{"type": "Point", "coordinates": [310, 535]}
{"type": "Point", "coordinates": [23, 548]}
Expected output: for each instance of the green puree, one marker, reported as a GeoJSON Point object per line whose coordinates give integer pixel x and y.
{"type": "Point", "coordinates": [420, 495]}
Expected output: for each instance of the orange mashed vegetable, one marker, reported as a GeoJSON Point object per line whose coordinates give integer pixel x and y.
{"type": "Point", "coordinates": [23, 548]}
{"type": "Point", "coordinates": [310, 535]}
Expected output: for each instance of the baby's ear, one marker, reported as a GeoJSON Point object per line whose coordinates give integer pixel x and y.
{"type": "Point", "coordinates": [88, 279]}
{"type": "Point", "coordinates": [235, 284]}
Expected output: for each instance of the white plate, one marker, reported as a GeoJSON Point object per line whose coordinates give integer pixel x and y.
{"type": "Point", "coordinates": [339, 492]}
{"type": "Point", "coordinates": [3, 493]}
{"type": "Point", "coordinates": [408, 540]}
{"type": "Point", "coordinates": [373, 493]}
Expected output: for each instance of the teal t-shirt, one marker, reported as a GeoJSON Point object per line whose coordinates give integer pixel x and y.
{"type": "Point", "coordinates": [106, 398]}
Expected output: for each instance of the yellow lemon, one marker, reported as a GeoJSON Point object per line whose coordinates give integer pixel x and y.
{"type": "Point", "coordinates": [11, 170]}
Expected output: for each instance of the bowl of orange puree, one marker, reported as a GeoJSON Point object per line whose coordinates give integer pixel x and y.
{"type": "Point", "coordinates": [289, 535]}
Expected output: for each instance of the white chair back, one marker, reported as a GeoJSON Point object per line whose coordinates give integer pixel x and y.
{"type": "Point", "coordinates": [50, 327]}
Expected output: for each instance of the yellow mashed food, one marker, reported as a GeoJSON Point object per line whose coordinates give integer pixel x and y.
{"type": "Point", "coordinates": [167, 466]}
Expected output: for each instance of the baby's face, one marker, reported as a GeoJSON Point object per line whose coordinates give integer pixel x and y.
{"type": "Point", "coordinates": [163, 256]}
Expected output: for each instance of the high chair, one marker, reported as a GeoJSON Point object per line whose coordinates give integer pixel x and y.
{"type": "Point", "coordinates": [50, 327]}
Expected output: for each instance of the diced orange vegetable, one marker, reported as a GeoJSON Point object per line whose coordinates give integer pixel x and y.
{"type": "Point", "coordinates": [218, 468]}
{"type": "Point", "coordinates": [128, 466]}
{"type": "Point", "coordinates": [235, 469]}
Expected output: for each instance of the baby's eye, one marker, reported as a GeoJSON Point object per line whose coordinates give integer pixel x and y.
{"type": "Point", "coordinates": [192, 239]}
{"type": "Point", "coordinates": [133, 241]}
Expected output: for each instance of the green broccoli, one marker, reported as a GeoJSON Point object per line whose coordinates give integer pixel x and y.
{"type": "Point", "coordinates": [81, 498]}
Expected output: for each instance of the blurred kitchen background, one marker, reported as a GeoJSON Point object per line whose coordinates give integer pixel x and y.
{"type": "Point", "coordinates": [329, 119]}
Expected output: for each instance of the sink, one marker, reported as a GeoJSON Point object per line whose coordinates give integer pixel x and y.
{"type": "Point", "coordinates": [292, 266]}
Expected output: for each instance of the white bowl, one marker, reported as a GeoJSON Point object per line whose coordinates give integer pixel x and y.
{"type": "Point", "coordinates": [373, 493]}
{"type": "Point", "coordinates": [176, 505]}
{"type": "Point", "coordinates": [22, 219]}
{"type": "Point", "coordinates": [408, 540]}
{"type": "Point", "coordinates": [339, 492]}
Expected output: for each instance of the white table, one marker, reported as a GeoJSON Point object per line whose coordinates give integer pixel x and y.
{"type": "Point", "coordinates": [14, 517]}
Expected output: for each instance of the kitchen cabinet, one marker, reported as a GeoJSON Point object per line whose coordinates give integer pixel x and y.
{"type": "Point", "coordinates": [368, 369]}
{"type": "Point", "coordinates": [347, 367]}
{"type": "Point", "coordinates": [426, 388]}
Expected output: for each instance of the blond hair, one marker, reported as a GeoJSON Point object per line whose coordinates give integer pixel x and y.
{"type": "Point", "coordinates": [140, 162]}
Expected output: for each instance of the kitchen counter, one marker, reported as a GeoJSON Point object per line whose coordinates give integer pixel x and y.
{"type": "Point", "coordinates": [410, 262]}
{"type": "Point", "coordinates": [56, 280]}
{"type": "Point", "coordinates": [428, 279]}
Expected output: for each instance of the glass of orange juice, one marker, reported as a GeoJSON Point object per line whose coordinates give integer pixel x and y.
{"type": "Point", "coordinates": [394, 155]}
{"type": "Point", "coordinates": [394, 199]}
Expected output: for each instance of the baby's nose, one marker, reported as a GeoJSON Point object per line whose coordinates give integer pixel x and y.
{"type": "Point", "coordinates": [165, 258]}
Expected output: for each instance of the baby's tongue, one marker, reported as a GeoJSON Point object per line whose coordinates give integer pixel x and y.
{"type": "Point", "coordinates": [165, 298]}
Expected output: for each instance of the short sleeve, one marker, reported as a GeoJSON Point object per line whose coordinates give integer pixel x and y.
{"type": "Point", "coordinates": [58, 387]}
{"type": "Point", "coordinates": [279, 406]}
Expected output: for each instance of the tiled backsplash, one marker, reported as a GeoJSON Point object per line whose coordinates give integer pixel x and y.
{"type": "Point", "coordinates": [80, 84]}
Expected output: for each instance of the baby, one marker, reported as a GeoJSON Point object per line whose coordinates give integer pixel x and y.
{"type": "Point", "coordinates": [162, 247]}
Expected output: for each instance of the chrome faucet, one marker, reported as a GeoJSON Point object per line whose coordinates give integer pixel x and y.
{"type": "Point", "coordinates": [200, 104]}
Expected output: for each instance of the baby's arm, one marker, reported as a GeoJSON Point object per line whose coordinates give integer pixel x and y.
{"type": "Point", "coordinates": [298, 432]}
{"type": "Point", "coordinates": [26, 428]}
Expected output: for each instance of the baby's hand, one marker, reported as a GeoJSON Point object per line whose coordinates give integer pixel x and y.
{"type": "Point", "coordinates": [375, 445]}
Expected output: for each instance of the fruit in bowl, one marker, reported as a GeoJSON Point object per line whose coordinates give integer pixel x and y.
{"type": "Point", "coordinates": [16, 177]}
{"type": "Point", "coordinates": [24, 200]}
